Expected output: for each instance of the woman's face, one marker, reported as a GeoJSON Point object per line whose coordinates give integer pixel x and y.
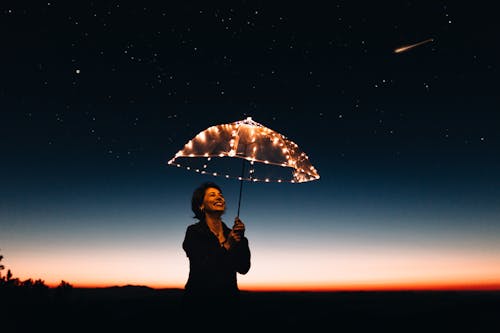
{"type": "Point", "coordinates": [213, 201]}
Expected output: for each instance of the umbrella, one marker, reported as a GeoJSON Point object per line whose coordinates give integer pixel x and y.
{"type": "Point", "coordinates": [214, 150]}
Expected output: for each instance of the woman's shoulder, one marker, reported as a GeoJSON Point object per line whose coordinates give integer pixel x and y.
{"type": "Point", "coordinates": [196, 226]}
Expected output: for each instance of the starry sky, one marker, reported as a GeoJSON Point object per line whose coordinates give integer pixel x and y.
{"type": "Point", "coordinates": [97, 96]}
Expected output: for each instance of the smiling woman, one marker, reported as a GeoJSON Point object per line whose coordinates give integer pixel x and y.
{"type": "Point", "coordinates": [216, 254]}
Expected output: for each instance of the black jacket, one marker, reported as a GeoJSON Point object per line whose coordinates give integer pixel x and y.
{"type": "Point", "coordinates": [212, 268]}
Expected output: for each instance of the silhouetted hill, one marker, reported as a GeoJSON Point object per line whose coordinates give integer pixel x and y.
{"type": "Point", "coordinates": [115, 292]}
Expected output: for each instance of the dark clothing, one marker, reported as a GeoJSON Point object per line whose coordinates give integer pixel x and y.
{"type": "Point", "coordinates": [212, 282]}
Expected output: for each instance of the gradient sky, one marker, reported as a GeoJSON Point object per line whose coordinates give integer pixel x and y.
{"type": "Point", "coordinates": [97, 96]}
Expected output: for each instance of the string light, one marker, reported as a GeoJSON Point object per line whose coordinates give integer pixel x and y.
{"type": "Point", "coordinates": [249, 140]}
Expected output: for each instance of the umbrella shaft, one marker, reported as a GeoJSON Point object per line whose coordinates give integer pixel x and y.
{"type": "Point", "coordinates": [241, 186]}
{"type": "Point", "coordinates": [239, 200]}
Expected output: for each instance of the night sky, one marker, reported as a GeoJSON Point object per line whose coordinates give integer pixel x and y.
{"type": "Point", "coordinates": [97, 96]}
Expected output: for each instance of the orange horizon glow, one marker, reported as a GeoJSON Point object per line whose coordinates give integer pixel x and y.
{"type": "Point", "coordinates": [333, 269]}
{"type": "Point", "coordinates": [416, 286]}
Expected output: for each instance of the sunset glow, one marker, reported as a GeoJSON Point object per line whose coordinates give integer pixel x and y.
{"type": "Point", "coordinates": [332, 269]}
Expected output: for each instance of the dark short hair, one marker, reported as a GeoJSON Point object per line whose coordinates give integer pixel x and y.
{"type": "Point", "coordinates": [197, 199]}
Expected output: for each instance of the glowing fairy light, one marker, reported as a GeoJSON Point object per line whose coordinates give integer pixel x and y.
{"type": "Point", "coordinates": [250, 141]}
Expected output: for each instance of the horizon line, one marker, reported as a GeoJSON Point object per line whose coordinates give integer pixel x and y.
{"type": "Point", "coordinates": [471, 288]}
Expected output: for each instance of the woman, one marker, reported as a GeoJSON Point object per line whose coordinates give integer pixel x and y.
{"type": "Point", "coordinates": [216, 254]}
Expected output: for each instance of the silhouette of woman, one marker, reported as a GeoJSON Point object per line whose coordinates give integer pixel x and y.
{"type": "Point", "coordinates": [216, 254]}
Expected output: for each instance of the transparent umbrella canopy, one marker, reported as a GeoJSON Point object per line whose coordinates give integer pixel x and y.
{"type": "Point", "coordinates": [247, 151]}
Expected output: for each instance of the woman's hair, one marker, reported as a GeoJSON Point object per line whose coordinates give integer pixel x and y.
{"type": "Point", "coordinates": [197, 199]}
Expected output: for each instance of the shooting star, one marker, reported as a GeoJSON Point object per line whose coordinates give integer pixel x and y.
{"type": "Point", "coordinates": [408, 47]}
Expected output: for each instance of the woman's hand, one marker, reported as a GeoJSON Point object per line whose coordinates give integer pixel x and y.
{"type": "Point", "coordinates": [237, 233]}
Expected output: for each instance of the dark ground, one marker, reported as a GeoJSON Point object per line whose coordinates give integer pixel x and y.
{"type": "Point", "coordinates": [142, 309]}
